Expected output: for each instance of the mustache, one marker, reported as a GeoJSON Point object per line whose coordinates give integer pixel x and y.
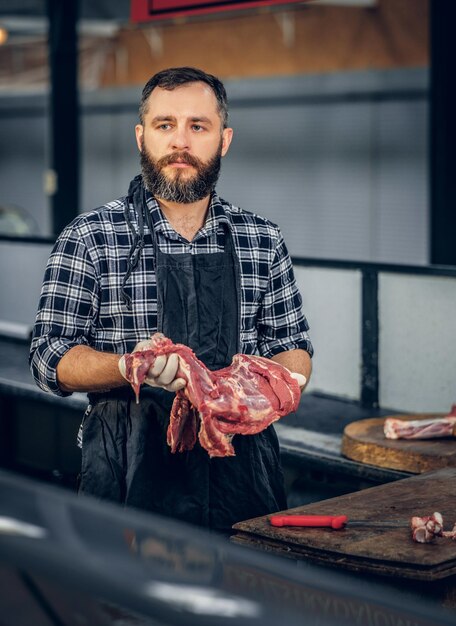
{"type": "Point", "coordinates": [181, 157]}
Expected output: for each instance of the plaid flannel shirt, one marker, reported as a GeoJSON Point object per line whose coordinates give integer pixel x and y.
{"type": "Point", "coordinates": [81, 298]}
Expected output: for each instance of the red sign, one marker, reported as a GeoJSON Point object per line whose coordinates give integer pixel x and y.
{"type": "Point", "coordinates": [148, 10]}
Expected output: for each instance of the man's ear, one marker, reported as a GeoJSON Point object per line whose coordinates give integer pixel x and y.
{"type": "Point", "coordinates": [139, 131]}
{"type": "Point", "coordinates": [227, 136]}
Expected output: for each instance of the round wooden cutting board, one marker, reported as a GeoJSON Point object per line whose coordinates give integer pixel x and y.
{"type": "Point", "coordinates": [364, 441]}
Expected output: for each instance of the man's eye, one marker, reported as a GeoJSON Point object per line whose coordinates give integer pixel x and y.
{"type": "Point", "coordinates": [164, 126]}
{"type": "Point", "coordinates": [197, 128]}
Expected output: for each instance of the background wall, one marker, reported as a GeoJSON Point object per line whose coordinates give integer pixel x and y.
{"type": "Point", "coordinates": [338, 161]}
{"type": "Point", "coordinates": [417, 349]}
{"type": "Point", "coordinates": [307, 39]}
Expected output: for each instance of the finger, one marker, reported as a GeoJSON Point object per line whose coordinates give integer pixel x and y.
{"type": "Point", "coordinates": [170, 370]}
{"type": "Point", "coordinates": [158, 366]}
{"type": "Point", "coordinates": [178, 383]}
{"type": "Point", "coordinates": [300, 379]}
{"type": "Point", "coordinates": [146, 344]}
{"type": "Point", "coordinates": [122, 366]}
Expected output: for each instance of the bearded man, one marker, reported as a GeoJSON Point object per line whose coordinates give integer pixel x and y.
{"type": "Point", "coordinates": [170, 256]}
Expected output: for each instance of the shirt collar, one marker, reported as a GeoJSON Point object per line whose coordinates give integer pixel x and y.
{"type": "Point", "coordinates": [215, 219]}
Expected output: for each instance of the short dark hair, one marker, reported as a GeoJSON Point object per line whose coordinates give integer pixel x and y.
{"type": "Point", "coordinates": [176, 76]}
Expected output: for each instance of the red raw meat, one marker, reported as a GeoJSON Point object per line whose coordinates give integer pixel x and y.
{"type": "Point", "coordinates": [244, 398]}
{"type": "Point", "coordinates": [395, 428]}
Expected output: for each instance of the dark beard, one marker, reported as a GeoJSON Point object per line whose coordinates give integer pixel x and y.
{"type": "Point", "coordinates": [180, 188]}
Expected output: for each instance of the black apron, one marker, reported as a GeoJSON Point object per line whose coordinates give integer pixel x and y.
{"type": "Point", "coordinates": [125, 457]}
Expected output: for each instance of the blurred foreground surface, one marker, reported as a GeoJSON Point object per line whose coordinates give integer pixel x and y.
{"type": "Point", "coordinates": [68, 560]}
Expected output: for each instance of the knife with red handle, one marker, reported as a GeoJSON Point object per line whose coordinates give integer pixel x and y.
{"type": "Point", "coordinates": [336, 522]}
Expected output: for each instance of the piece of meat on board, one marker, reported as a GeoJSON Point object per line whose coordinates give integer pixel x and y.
{"type": "Point", "coordinates": [424, 529]}
{"type": "Point", "coordinates": [244, 398]}
{"type": "Point", "coordinates": [395, 428]}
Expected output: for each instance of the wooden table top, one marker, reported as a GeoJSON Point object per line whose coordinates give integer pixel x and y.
{"type": "Point", "coordinates": [386, 551]}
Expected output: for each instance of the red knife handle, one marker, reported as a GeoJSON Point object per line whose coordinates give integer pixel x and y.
{"type": "Point", "coordinates": [328, 521]}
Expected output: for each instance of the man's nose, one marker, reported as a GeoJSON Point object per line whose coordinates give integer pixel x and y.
{"type": "Point", "coordinates": [181, 139]}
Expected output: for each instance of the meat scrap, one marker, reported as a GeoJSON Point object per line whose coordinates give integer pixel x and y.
{"type": "Point", "coordinates": [244, 398]}
{"type": "Point", "coordinates": [395, 428]}
{"type": "Point", "coordinates": [424, 529]}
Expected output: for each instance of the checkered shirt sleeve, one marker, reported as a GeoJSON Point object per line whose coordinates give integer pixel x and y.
{"type": "Point", "coordinates": [67, 308]}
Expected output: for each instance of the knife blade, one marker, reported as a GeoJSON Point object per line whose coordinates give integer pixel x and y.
{"type": "Point", "coordinates": [336, 522]}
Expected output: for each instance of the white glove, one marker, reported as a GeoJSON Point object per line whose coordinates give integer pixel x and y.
{"type": "Point", "coordinates": [163, 371]}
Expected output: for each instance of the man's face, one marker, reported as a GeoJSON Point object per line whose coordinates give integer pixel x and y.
{"type": "Point", "coordinates": [182, 142]}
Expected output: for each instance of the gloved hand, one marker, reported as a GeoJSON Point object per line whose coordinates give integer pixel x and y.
{"type": "Point", "coordinates": [162, 373]}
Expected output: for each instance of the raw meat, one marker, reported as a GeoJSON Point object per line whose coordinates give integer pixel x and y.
{"type": "Point", "coordinates": [424, 529]}
{"type": "Point", "coordinates": [244, 398]}
{"type": "Point", "coordinates": [395, 428]}
{"type": "Point", "coordinates": [450, 534]}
